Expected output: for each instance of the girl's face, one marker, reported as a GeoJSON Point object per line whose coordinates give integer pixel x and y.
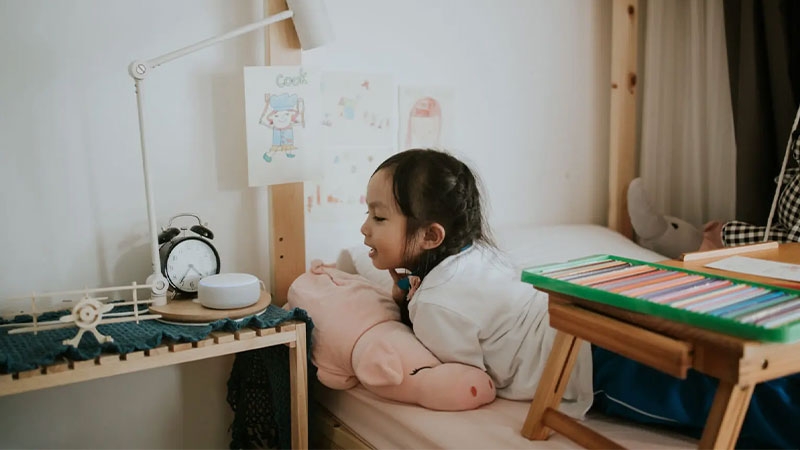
{"type": "Point", "coordinates": [384, 229]}
{"type": "Point", "coordinates": [282, 119]}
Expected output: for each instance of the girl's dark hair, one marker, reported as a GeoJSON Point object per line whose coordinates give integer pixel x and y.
{"type": "Point", "coordinates": [431, 186]}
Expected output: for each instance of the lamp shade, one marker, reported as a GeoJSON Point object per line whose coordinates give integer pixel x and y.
{"type": "Point", "coordinates": [311, 22]}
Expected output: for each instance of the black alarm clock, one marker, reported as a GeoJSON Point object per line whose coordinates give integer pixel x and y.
{"type": "Point", "coordinates": [186, 258]}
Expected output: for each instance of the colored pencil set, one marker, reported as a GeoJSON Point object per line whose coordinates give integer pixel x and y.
{"type": "Point", "coordinates": [734, 300]}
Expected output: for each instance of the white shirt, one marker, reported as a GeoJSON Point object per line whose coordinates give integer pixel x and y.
{"type": "Point", "coordinates": [473, 309]}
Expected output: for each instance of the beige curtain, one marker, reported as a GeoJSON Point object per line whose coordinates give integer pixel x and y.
{"type": "Point", "coordinates": [688, 151]}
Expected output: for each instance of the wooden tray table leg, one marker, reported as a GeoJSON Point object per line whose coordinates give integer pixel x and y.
{"type": "Point", "coordinates": [299, 387]}
{"type": "Point", "coordinates": [727, 415]}
{"type": "Point", "coordinates": [552, 384]}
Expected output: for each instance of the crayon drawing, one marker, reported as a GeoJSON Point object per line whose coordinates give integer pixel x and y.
{"type": "Point", "coordinates": [426, 117]}
{"type": "Point", "coordinates": [282, 113]}
{"type": "Point", "coordinates": [357, 109]}
{"type": "Point", "coordinates": [341, 192]}
{"type": "Point", "coordinates": [282, 105]}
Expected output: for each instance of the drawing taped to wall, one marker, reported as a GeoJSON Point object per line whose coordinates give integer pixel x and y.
{"type": "Point", "coordinates": [341, 193]}
{"type": "Point", "coordinates": [357, 109]}
{"type": "Point", "coordinates": [282, 105]}
{"type": "Point", "coordinates": [426, 117]}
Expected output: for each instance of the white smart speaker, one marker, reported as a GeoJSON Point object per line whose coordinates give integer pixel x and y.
{"type": "Point", "coordinates": [229, 290]}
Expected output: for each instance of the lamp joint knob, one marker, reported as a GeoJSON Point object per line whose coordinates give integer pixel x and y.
{"type": "Point", "coordinates": [138, 70]}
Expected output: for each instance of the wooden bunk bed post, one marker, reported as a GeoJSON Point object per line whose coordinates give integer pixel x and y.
{"type": "Point", "coordinates": [287, 220]}
{"type": "Point", "coordinates": [287, 228]}
{"type": "Point", "coordinates": [622, 148]}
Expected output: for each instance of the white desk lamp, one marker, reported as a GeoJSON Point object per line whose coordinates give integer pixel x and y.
{"type": "Point", "coordinates": [313, 30]}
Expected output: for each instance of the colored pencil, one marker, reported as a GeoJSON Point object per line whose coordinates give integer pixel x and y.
{"type": "Point", "coordinates": [636, 290]}
{"type": "Point", "coordinates": [615, 275]}
{"type": "Point", "coordinates": [785, 318]}
{"type": "Point", "coordinates": [643, 281]}
{"type": "Point", "coordinates": [600, 269]}
{"type": "Point", "coordinates": [726, 300]}
{"type": "Point", "coordinates": [760, 300]}
{"type": "Point", "coordinates": [710, 285]}
{"type": "Point", "coordinates": [666, 285]}
{"type": "Point", "coordinates": [766, 313]}
{"type": "Point", "coordinates": [747, 309]}
{"type": "Point", "coordinates": [723, 291]}
{"type": "Point", "coordinates": [576, 268]}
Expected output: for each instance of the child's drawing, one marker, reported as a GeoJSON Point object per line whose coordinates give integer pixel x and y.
{"type": "Point", "coordinates": [282, 105]}
{"type": "Point", "coordinates": [282, 113]}
{"type": "Point", "coordinates": [426, 117]}
{"type": "Point", "coordinates": [341, 193]}
{"type": "Point", "coordinates": [357, 109]}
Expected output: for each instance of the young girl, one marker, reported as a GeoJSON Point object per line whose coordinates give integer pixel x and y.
{"type": "Point", "coordinates": [468, 305]}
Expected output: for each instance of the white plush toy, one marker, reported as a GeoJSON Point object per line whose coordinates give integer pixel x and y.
{"type": "Point", "coordinates": [661, 233]}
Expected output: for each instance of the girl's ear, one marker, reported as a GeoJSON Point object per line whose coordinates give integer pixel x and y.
{"type": "Point", "coordinates": [433, 237]}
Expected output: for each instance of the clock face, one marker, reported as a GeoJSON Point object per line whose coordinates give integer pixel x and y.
{"type": "Point", "coordinates": [189, 261]}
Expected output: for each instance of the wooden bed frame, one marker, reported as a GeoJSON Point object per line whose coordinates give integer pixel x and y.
{"type": "Point", "coordinates": [287, 227]}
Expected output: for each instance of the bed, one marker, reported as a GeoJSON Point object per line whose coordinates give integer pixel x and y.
{"type": "Point", "coordinates": [355, 418]}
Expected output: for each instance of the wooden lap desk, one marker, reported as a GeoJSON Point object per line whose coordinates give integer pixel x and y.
{"type": "Point", "coordinates": [669, 346]}
{"type": "Point", "coordinates": [291, 333]}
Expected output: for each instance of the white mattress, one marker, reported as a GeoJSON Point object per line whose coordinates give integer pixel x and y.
{"type": "Point", "coordinates": [386, 424]}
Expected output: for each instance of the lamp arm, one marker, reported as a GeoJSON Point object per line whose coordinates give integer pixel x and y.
{"type": "Point", "coordinates": [156, 279]}
{"type": "Point", "coordinates": [138, 70]}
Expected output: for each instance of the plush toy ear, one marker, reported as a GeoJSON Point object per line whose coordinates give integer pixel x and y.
{"type": "Point", "coordinates": [433, 236]}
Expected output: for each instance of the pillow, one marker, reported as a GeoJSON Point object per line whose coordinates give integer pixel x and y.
{"type": "Point", "coordinates": [529, 246]}
{"type": "Point", "coordinates": [345, 262]}
{"type": "Point", "coordinates": [525, 246]}
{"type": "Point", "coordinates": [356, 260]}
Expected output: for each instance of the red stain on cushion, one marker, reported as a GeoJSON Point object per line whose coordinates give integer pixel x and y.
{"type": "Point", "coordinates": [474, 392]}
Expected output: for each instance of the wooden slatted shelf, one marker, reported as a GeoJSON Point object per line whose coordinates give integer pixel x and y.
{"type": "Point", "coordinates": [291, 334]}
{"type": "Point", "coordinates": [220, 343]}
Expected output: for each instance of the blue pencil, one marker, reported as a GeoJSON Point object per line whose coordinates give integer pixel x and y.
{"type": "Point", "coordinates": [655, 296]}
{"type": "Point", "coordinates": [753, 308]}
{"type": "Point", "coordinates": [753, 301]}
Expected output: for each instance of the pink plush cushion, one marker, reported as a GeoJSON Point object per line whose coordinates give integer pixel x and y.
{"type": "Point", "coordinates": [343, 306]}
{"type": "Point", "coordinates": [358, 337]}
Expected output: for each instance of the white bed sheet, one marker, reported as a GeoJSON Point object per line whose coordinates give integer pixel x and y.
{"type": "Point", "coordinates": [534, 245]}
{"type": "Point", "coordinates": [386, 424]}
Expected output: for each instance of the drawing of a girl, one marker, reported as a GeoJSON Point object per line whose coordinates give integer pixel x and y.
{"type": "Point", "coordinates": [424, 124]}
{"type": "Point", "coordinates": [281, 113]}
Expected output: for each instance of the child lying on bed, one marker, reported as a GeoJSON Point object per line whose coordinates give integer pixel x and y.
{"type": "Point", "coordinates": [466, 304]}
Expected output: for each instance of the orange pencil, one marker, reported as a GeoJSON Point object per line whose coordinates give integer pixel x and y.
{"type": "Point", "coordinates": [622, 273]}
{"type": "Point", "coordinates": [668, 276]}
{"type": "Point", "coordinates": [586, 270]}
{"type": "Point", "coordinates": [684, 279]}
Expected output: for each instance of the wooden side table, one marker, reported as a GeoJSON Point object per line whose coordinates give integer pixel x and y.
{"type": "Point", "coordinates": [291, 333]}
{"type": "Point", "coordinates": [669, 346]}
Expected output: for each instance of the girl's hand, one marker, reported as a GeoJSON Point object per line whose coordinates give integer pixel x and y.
{"type": "Point", "coordinates": [398, 294]}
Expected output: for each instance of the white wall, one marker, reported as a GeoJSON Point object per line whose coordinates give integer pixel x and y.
{"type": "Point", "coordinates": [530, 79]}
